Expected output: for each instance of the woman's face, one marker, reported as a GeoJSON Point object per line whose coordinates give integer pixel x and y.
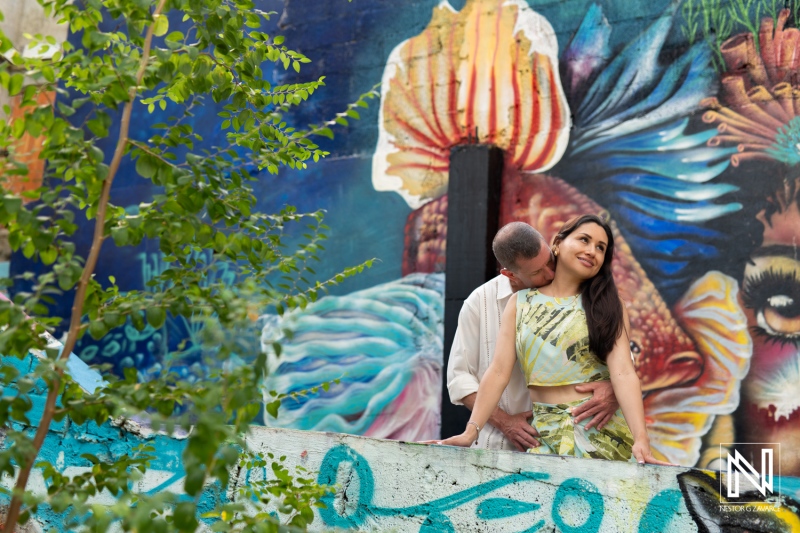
{"type": "Point", "coordinates": [771, 297]}
{"type": "Point", "coordinates": [583, 251]}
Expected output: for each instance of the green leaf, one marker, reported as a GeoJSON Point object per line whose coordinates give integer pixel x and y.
{"type": "Point", "coordinates": [145, 166]}
{"type": "Point", "coordinates": [113, 320]}
{"type": "Point", "coordinates": [49, 75]}
{"type": "Point", "coordinates": [138, 321]}
{"type": "Point", "coordinates": [49, 255]}
{"type": "Point", "coordinates": [97, 329]}
{"type": "Point", "coordinates": [219, 241]}
{"type": "Point", "coordinates": [195, 478]}
{"type": "Point", "coordinates": [160, 25]}
{"type": "Point", "coordinates": [18, 127]}
{"type": "Point", "coordinates": [12, 204]}
{"type": "Point", "coordinates": [28, 249]}
{"type": "Point", "coordinates": [15, 84]}
{"type": "Point", "coordinates": [272, 408]}
{"type": "Point", "coordinates": [65, 110]}
{"type": "Point", "coordinates": [155, 316]}
{"type": "Point", "coordinates": [120, 235]}
{"type": "Point", "coordinates": [184, 515]}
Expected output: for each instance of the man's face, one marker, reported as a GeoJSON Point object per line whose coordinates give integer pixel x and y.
{"type": "Point", "coordinates": [533, 272]}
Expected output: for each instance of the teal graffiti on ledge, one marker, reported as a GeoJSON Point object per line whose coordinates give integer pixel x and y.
{"type": "Point", "coordinates": [357, 508]}
{"type": "Point", "coordinates": [435, 519]}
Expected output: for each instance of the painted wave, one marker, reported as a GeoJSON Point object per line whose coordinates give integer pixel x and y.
{"type": "Point", "coordinates": [384, 344]}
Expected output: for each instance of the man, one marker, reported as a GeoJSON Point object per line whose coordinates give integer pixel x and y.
{"type": "Point", "coordinates": [526, 262]}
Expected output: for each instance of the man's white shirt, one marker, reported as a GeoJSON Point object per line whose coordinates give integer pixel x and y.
{"type": "Point", "coordinates": [472, 351]}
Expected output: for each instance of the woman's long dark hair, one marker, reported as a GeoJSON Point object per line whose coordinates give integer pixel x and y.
{"type": "Point", "coordinates": [599, 294]}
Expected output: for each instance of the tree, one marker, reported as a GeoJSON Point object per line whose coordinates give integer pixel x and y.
{"type": "Point", "coordinates": [204, 221]}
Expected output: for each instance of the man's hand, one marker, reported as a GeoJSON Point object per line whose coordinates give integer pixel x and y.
{"type": "Point", "coordinates": [602, 405]}
{"type": "Point", "coordinates": [516, 428]}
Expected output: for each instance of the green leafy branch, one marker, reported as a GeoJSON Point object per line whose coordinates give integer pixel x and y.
{"type": "Point", "coordinates": [204, 219]}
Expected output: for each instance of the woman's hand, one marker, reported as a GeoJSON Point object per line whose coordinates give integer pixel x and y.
{"type": "Point", "coordinates": [641, 450]}
{"type": "Point", "coordinates": [464, 440]}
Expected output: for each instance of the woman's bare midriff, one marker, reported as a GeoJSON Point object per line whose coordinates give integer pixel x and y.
{"type": "Point", "coordinates": [556, 394]}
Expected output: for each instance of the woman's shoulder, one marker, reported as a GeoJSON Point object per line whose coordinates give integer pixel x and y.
{"type": "Point", "coordinates": [530, 296]}
{"type": "Point", "coordinates": [525, 294]}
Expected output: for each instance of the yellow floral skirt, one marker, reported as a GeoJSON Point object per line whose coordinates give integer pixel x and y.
{"type": "Point", "coordinates": [560, 435]}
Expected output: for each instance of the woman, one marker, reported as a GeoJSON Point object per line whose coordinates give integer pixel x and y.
{"type": "Point", "coordinates": [571, 331]}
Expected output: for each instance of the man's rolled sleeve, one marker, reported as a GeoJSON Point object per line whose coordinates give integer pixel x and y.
{"type": "Point", "coordinates": [463, 364]}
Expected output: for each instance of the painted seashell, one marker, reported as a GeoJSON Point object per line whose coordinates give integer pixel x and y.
{"type": "Point", "coordinates": [487, 73]}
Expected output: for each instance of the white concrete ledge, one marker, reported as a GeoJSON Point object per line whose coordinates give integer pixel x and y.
{"type": "Point", "coordinates": [389, 485]}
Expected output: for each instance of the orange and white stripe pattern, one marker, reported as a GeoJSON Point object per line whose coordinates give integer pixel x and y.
{"type": "Point", "coordinates": [490, 69]}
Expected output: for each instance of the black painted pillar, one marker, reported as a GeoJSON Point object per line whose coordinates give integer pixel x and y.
{"type": "Point", "coordinates": [473, 209]}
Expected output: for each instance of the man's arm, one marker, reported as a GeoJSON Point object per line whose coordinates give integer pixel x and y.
{"type": "Point", "coordinates": [462, 378]}
{"type": "Point", "coordinates": [516, 428]}
{"type": "Point", "coordinates": [464, 360]}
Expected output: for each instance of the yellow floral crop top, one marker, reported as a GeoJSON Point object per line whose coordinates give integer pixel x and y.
{"type": "Point", "coordinates": [552, 341]}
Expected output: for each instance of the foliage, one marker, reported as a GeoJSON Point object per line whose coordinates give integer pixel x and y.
{"type": "Point", "coordinates": [717, 20]}
{"type": "Point", "coordinates": [713, 20]}
{"type": "Point", "coordinates": [205, 222]}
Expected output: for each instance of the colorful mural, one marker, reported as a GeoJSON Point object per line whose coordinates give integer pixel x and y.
{"type": "Point", "coordinates": [665, 140]}
{"type": "Point", "coordinates": [680, 124]}
{"type": "Point", "coordinates": [383, 344]}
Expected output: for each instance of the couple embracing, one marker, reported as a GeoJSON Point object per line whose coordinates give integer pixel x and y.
{"type": "Point", "coordinates": [562, 335]}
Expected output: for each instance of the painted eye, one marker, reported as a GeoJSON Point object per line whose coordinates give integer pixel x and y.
{"type": "Point", "coordinates": [774, 297]}
{"type": "Point", "coordinates": [780, 316]}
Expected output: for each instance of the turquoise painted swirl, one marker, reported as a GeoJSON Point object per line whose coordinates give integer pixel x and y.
{"type": "Point", "coordinates": [384, 344]}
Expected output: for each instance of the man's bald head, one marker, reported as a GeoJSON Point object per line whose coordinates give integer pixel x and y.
{"type": "Point", "coordinates": [516, 241]}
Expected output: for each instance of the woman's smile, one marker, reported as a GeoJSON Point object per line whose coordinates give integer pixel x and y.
{"type": "Point", "coordinates": [584, 249]}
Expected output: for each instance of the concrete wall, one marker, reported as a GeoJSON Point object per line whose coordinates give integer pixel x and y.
{"type": "Point", "coordinates": [398, 486]}
{"type": "Point", "coordinates": [686, 136]}
{"type": "Point", "coordinates": [27, 17]}
{"type": "Point", "coordinates": [21, 18]}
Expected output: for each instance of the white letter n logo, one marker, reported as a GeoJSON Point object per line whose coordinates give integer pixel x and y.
{"type": "Point", "coordinates": [737, 464]}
